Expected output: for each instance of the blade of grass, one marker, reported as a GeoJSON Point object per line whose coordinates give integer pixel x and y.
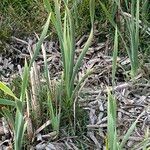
{"type": "Point", "coordinates": [129, 132]}
{"type": "Point", "coordinates": [133, 29]}
{"type": "Point", "coordinates": [111, 116]}
{"type": "Point", "coordinates": [142, 145]}
{"type": "Point", "coordinates": [42, 37]}
{"type": "Point", "coordinates": [20, 125]}
{"type": "Point", "coordinates": [54, 117]}
{"type": "Point", "coordinates": [25, 82]}
{"type": "Point", "coordinates": [7, 90]}
{"type": "Point", "coordinates": [81, 56]}
{"type": "Point", "coordinates": [7, 102]}
{"type": "Point", "coordinates": [65, 28]}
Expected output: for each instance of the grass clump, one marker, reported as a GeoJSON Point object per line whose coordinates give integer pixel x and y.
{"type": "Point", "coordinates": [66, 33]}
{"type": "Point", "coordinates": [60, 99]}
{"type": "Point", "coordinates": [130, 36]}
{"type": "Point", "coordinates": [57, 99]}
{"type": "Point", "coordinates": [16, 17]}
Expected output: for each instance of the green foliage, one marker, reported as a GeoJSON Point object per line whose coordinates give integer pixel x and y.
{"type": "Point", "coordinates": [113, 142]}
{"type": "Point", "coordinates": [131, 35]}
{"type": "Point", "coordinates": [66, 33]}
{"type": "Point", "coordinates": [111, 130]}
{"type": "Point", "coordinates": [58, 96]}
{"type": "Point", "coordinates": [19, 124]}
{"type": "Point", "coordinates": [133, 28]}
{"type": "Point", "coordinates": [16, 17]}
{"type": "Point", "coordinates": [7, 90]}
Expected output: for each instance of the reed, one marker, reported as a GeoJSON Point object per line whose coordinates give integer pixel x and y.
{"type": "Point", "coordinates": [66, 34]}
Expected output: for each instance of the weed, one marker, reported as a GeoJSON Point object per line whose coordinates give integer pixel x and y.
{"type": "Point", "coordinates": [66, 34]}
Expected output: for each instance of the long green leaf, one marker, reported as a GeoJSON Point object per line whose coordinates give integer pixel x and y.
{"type": "Point", "coordinates": [110, 130]}
{"type": "Point", "coordinates": [48, 6]}
{"type": "Point", "coordinates": [7, 102]}
{"type": "Point", "coordinates": [19, 120]}
{"type": "Point", "coordinates": [129, 132]}
{"type": "Point", "coordinates": [20, 102]}
{"type": "Point", "coordinates": [7, 90]}
{"type": "Point", "coordinates": [111, 116]}
{"type": "Point", "coordinates": [19, 129]}
{"type": "Point", "coordinates": [24, 82]}
{"type": "Point", "coordinates": [42, 37]}
{"type": "Point", "coordinates": [81, 56]}
{"type": "Point", "coordinates": [87, 44]}
{"type": "Point", "coordinates": [92, 11]}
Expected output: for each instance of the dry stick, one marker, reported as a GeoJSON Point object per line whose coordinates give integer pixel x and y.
{"type": "Point", "coordinates": [47, 123]}
{"type": "Point", "coordinates": [34, 78]}
{"type": "Point", "coordinates": [19, 40]}
{"type": "Point", "coordinates": [27, 116]}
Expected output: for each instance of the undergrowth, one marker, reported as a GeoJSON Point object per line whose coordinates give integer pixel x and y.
{"type": "Point", "coordinates": [27, 98]}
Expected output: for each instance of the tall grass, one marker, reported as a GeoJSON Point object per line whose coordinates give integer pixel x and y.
{"type": "Point", "coordinates": [18, 123]}
{"type": "Point", "coordinates": [113, 142]}
{"type": "Point", "coordinates": [133, 28]}
{"type": "Point", "coordinates": [54, 94]}
{"type": "Point", "coordinates": [66, 33]}
{"type": "Point", "coordinates": [61, 95]}
{"type": "Point", "coordinates": [131, 38]}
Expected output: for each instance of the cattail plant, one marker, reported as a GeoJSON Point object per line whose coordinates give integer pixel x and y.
{"type": "Point", "coordinates": [133, 28]}
{"type": "Point", "coordinates": [66, 34]}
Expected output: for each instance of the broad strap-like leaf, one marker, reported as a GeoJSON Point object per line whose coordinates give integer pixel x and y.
{"type": "Point", "coordinates": [7, 102]}
{"type": "Point", "coordinates": [130, 130]}
{"type": "Point", "coordinates": [19, 130]}
{"type": "Point", "coordinates": [111, 118]}
{"type": "Point", "coordinates": [81, 56]}
{"type": "Point", "coordinates": [7, 90]}
{"type": "Point", "coordinates": [92, 11]}
{"type": "Point", "coordinates": [47, 6]}
{"type": "Point", "coordinates": [42, 37]}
